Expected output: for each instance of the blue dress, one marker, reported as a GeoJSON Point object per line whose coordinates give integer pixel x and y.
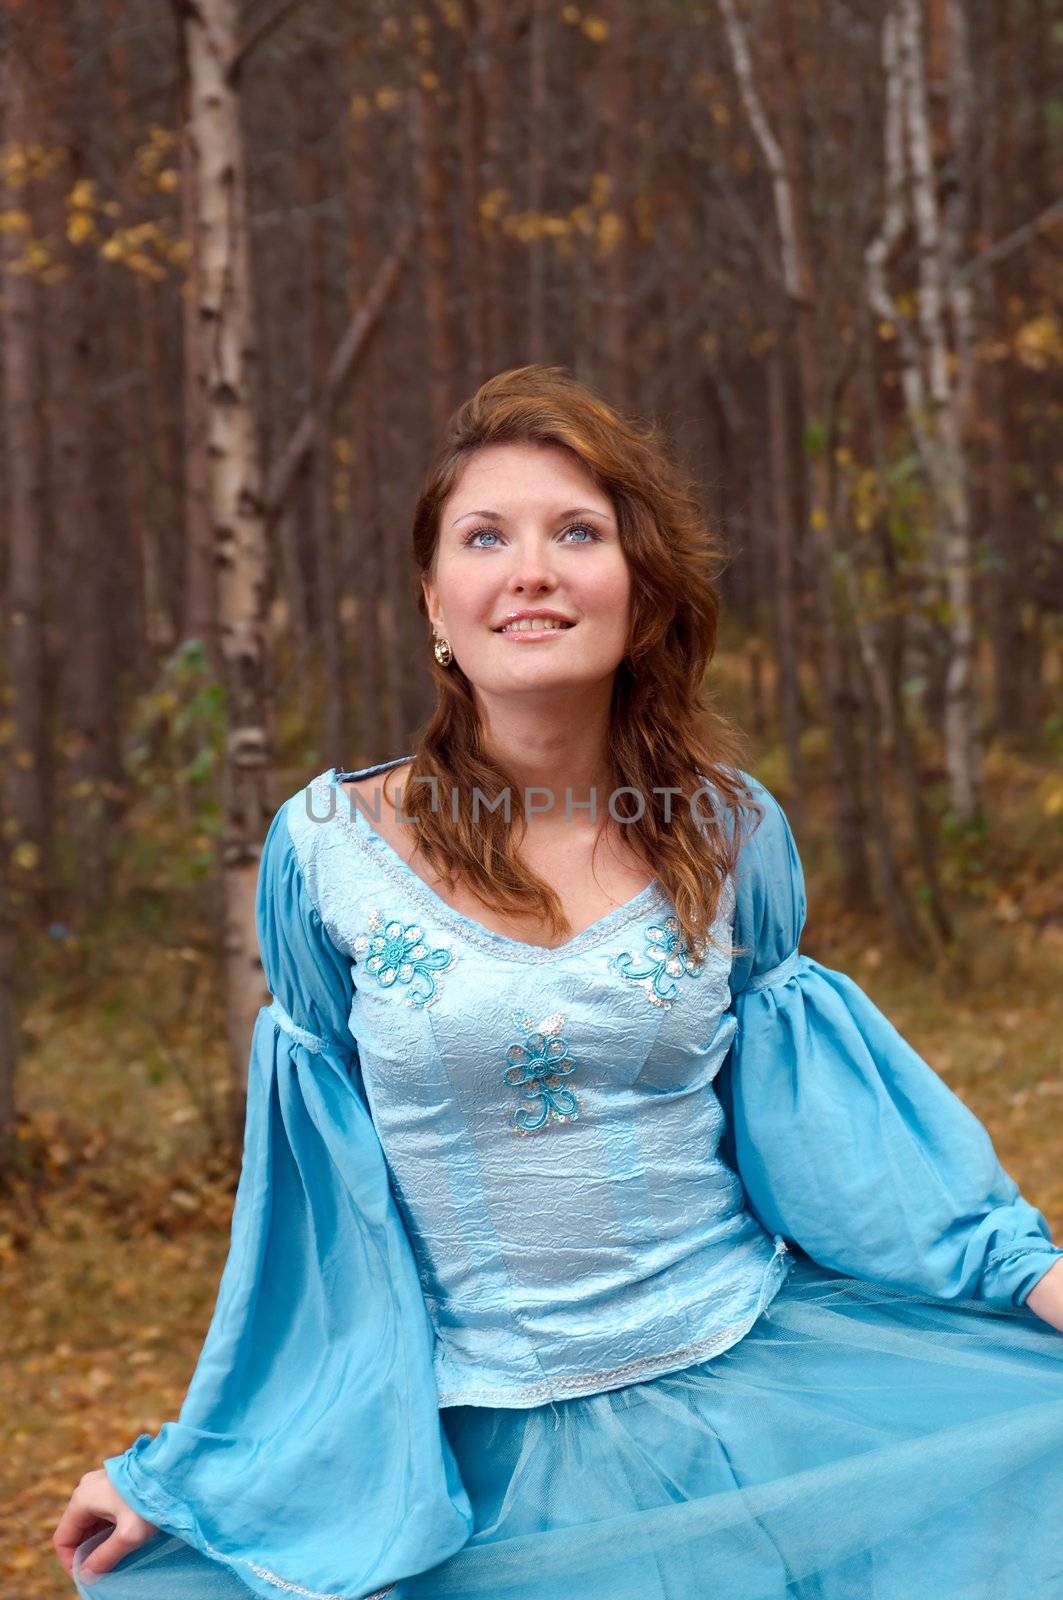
{"type": "Point", "coordinates": [625, 1270]}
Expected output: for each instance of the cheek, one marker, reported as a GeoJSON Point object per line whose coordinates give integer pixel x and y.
{"type": "Point", "coordinates": [470, 601]}
{"type": "Point", "coordinates": [605, 595]}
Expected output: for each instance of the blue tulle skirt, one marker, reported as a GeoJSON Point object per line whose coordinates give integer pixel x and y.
{"type": "Point", "coordinates": [859, 1443]}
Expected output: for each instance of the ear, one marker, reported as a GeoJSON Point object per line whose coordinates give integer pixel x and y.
{"type": "Point", "coordinates": [435, 615]}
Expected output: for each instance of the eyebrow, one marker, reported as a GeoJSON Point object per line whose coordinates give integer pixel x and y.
{"type": "Point", "coordinates": [500, 516]}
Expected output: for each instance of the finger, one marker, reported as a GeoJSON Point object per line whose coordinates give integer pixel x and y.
{"type": "Point", "coordinates": [109, 1553]}
{"type": "Point", "coordinates": [77, 1524]}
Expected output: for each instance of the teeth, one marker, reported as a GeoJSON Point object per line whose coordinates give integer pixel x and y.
{"type": "Point", "coordinates": [528, 624]}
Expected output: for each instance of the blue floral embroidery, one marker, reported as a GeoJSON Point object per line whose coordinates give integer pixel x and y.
{"type": "Point", "coordinates": [668, 957]}
{"type": "Point", "coordinates": [398, 954]}
{"type": "Point", "coordinates": [535, 1067]}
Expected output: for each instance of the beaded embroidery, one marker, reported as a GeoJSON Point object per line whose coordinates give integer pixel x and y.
{"type": "Point", "coordinates": [668, 957]}
{"type": "Point", "coordinates": [535, 1067]}
{"type": "Point", "coordinates": [398, 954]}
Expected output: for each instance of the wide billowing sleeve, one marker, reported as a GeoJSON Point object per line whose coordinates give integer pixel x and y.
{"type": "Point", "coordinates": [308, 1454]}
{"type": "Point", "coordinates": [846, 1140]}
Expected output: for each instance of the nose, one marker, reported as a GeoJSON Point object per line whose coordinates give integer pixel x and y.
{"type": "Point", "coordinates": [533, 570]}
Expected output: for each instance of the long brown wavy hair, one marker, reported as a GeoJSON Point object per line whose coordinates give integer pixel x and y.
{"type": "Point", "coordinates": [665, 732]}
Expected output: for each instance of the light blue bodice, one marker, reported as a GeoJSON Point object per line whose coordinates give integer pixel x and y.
{"type": "Point", "coordinates": [549, 1124]}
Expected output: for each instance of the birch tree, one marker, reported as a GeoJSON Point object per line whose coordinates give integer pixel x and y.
{"type": "Point", "coordinates": [235, 497]}
{"type": "Point", "coordinates": [935, 351]}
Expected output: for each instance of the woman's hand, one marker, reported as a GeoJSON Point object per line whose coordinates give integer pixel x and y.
{"type": "Point", "coordinates": [95, 1503]}
{"type": "Point", "coordinates": [1045, 1299]}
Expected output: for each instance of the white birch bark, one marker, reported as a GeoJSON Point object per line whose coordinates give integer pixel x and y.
{"type": "Point", "coordinates": [935, 369]}
{"type": "Point", "coordinates": [228, 354]}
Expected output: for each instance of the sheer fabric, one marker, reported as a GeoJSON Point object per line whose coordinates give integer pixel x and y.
{"type": "Point", "coordinates": [313, 1392]}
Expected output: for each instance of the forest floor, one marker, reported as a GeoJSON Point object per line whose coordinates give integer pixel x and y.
{"type": "Point", "coordinates": [112, 1245]}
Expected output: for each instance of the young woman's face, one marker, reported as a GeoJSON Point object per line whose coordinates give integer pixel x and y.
{"type": "Point", "coordinates": [526, 529]}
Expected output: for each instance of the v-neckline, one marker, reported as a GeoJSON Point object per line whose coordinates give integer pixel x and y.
{"type": "Point", "coordinates": [354, 820]}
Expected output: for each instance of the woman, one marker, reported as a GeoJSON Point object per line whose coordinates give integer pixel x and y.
{"type": "Point", "coordinates": [589, 1238]}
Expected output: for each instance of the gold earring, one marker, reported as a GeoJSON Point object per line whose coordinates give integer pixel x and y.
{"type": "Point", "coordinates": [444, 654]}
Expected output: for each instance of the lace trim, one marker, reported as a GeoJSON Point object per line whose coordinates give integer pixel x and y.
{"type": "Point", "coordinates": [562, 1388]}
{"type": "Point", "coordinates": [295, 1588]}
{"type": "Point", "coordinates": [774, 975]}
{"type": "Point", "coordinates": [437, 911]}
{"type": "Point", "coordinates": [309, 1041]}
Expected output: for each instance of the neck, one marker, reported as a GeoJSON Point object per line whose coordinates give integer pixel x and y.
{"type": "Point", "coordinates": [555, 753]}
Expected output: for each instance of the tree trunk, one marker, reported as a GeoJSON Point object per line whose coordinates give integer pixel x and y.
{"type": "Point", "coordinates": [786, 167]}
{"type": "Point", "coordinates": [948, 399]}
{"type": "Point", "coordinates": [783, 588]}
{"type": "Point", "coordinates": [85, 547]}
{"type": "Point", "coordinates": [235, 498]}
{"type": "Point", "coordinates": [434, 244]}
{"type": "Point", "coordinates": [28, 814]}
{"type": "Point", "coordinates": [615, 243]}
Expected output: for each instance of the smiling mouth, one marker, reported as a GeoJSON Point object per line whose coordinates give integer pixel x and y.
{"type": "Point", "coordinates": [536, 626]}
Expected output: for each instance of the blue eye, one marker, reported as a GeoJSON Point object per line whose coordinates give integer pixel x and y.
{"type": "Point", "coordinates": [593, 536]}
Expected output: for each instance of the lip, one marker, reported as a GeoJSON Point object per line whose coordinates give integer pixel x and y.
{"type": "Point", "coordinates": [532, 615]}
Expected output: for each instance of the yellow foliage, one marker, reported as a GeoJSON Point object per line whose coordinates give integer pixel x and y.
{"type": "Point", "coordinates": [720, 114]}
{"type": "Point", "coordinates": [492, 204]}
{"type": "Point", "coordinates": [387, 98]}
{"type": "Point", "coordinates": [866, 499]}
{"type": "Point", "coordinates": [82, 196]}
{"type": "Point", "coordinates": [21, 164]}
{"type": "Point", "coordinates": [14, 222]}
{"type": "Point", "coordinates": [151, 159]}
{"type": "Point", "coordinates": [601, 187]}
{"type": "Point", "coordinates": [596, 29]}
{"type": "Point", "coordinates": [522, 226]}
{"type": "Point", "coordinates": [429, 80]}
{"type": "Point", "coordinates": [145, 265]}
{"type": "Point", "coordinates": [35, 257]}
{"type": "Point", "coordinates": [359, 107]}
{"type": "Point", "coordinates": [610, 232]}
{"type": "Point", "coordinates": [818, 519]}
{"type": "Point", "coordinates": [886, 331]}
{"type": "Point", "coordinates": [168, 180]}
{"type": "Point", "coordinates": [570, 15]}
{"type": "Point", "coordinates": [80, 227]}
{"type": "Point", "coordinates": [1039, 342]}
{"type": "Point", "coordinates": [1050, 792]}
{"type": "Point", "coordinates": [26, 856]}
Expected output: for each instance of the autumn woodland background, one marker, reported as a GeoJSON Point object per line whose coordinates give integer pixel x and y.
{"type": "Point", "coordinates": [251, 257]}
